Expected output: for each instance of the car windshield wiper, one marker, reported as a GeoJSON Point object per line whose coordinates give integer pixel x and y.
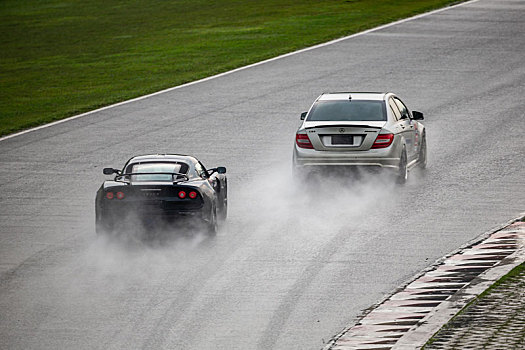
{"type": "Point", "coordinates": [126, 178]}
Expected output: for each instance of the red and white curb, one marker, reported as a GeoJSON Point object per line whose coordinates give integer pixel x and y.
{"type": "Point", "coordinates": [409, 317]}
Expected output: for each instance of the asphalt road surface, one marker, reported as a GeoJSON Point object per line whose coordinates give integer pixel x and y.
{"type": "Point", "coordinates": [295, 264]}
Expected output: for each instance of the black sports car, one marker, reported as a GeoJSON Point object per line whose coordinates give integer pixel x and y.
{"type": "Point", "coordinates": [162, 188]}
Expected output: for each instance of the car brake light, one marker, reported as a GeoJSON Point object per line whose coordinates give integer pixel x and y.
{"type": "Point", "coordinates": [303, 141]}
{"type": "Point", "coordinates": [182, 194]}
{"type": "Point", "coordinates": [193, 194]}
{"type": "Point", "coordinates": [383, 140]}
{"type": "Point", "coordinates": [120, 195]}
{"type": "Point", "coordinates": [109, 195]}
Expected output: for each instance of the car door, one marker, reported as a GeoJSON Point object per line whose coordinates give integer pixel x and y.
{"type": "Point", "coordinates": [401, 125]}
{"type": "Point", "coordinates": [409, 130]}
{"type": "Point", "coordinates": [212, 179]}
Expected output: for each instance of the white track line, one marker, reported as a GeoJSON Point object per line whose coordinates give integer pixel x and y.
{"type": "Point", "coordinates": [238, 69]}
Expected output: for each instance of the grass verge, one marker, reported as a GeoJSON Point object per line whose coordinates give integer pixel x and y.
{"type": "Point", "coordinates": [64, 57]}
{"type": "Point", "coordinates": [514, 276]}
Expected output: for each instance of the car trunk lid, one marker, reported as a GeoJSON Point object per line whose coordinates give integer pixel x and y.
{"type": "Point", "coordinates": [343, 136]}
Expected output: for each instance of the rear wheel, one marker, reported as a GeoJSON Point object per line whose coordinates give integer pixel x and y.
{"type": "Point", "coordinates": [422, 159]}
{"type": "Point", "coordinates": [102, 223]}
{"type": "Point", "coordinates": [295, 172]}
{"type": "Point", "coordinates": [300, 173]}
{"type": "Point", "coordinates": [213, 225]}
{"type": "Point", "coordinates": [223, 213]}
{"type": "Point", "coordinates": [402, 174]}
{"type": "Point", "coordinates": [99, 229]}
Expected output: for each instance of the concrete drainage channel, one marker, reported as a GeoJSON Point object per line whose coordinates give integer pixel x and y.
{"type": "Point", "coordinates": [409, 317]}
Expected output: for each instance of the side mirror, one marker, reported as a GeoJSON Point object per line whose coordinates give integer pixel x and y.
{"type": "Point", "coordinates": [109, 171]}
{"type": "Point", "coordinates": [417, 115]}
{"type": "Point", "coordinates": [303, 115]}
{"type": "Point", "coordinates": [219, 170]}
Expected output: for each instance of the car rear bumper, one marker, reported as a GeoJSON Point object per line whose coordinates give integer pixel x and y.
{"type": "Point", "coordinates": [379, 158]}
{"type": "Point", "coordinates": [126, 214]}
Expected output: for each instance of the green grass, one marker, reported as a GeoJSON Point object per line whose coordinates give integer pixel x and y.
{"type": "Point", "coordinates": [60, 58]}
{"type": "Point", "coordinates": [508, 278]}
{"type": "Point", "coordinates": [515, 274]}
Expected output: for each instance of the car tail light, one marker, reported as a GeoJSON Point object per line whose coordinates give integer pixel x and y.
{"type": "Point", "coordinates": [120, 195]}
{"type": "Point", "coordinates": [303, 141]}
{"type": "Point", "coordinates": [182, 194]}
{"type": "Point", "coordinates": [193, 194]}
{"type": "Point", "coordinates": [383, 141]}
{"type": "Point", "coordinates": [109, 195]}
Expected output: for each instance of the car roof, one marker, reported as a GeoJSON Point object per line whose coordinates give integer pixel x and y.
{"type": "Point", "coordinates": [163, 157]}
{"type": "Point", "coordinates": [331, 96]}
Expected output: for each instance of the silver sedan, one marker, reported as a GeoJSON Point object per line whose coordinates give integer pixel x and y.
{"type": "Point", "coordinates": [369, 130]}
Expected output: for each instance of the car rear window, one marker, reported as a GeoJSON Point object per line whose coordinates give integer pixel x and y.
{"type": "Point", "coordinates": [153, 167]}
{"type": "Point", "coordinates": [347, 110]}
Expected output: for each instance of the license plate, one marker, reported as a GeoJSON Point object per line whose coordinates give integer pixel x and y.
{"type": "Point", "coordinates": [342, 140]}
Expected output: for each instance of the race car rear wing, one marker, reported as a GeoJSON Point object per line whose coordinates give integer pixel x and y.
{"type": "Point", "coordinates": [126, 178]}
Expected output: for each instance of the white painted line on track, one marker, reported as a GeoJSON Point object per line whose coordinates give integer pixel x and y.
{"type": "Point", "coordinates": [238, 69]}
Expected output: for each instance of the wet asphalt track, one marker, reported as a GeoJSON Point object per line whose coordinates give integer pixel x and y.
{"type": "Point", "coordinates": [294, 265]}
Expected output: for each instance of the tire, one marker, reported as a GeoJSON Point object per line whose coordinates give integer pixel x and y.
{"type": "Point", "coordinates": [102, 227]}
{"type": "Point", "coordinates": [99, 229]}
{"type": "Point", "coordinates": [422, 158]}
{"type": "Point", "coordinates": [212, 226]}
{"type": "Point", "coordinates": [295, 172]}
{"type": "Point", "coordinates": [402, 174]}
{"type": "Point", "coordinates": [300, 174]}
{"type": "Point", "coordinates": [223, 213]}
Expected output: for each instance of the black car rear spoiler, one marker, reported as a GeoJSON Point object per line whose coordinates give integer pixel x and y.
{"type": "Point", "coordinates": [125, 178]}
